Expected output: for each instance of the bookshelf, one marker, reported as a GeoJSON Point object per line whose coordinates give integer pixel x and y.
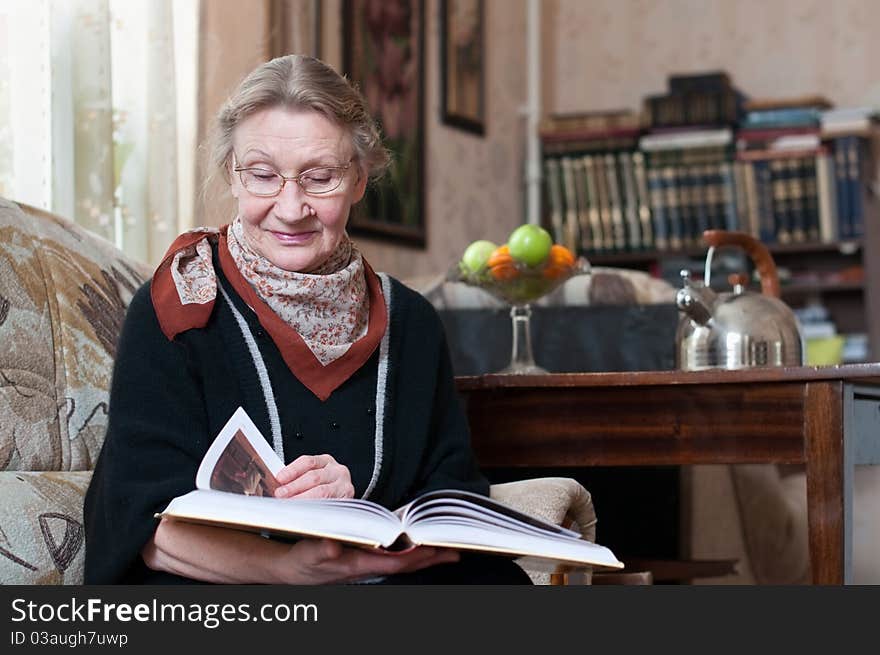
{"type": "Point", "coordinates": [831, 262]}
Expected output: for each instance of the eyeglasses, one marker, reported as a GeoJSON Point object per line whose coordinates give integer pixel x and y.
{"type": "Point", "coordinates": [315, 181]}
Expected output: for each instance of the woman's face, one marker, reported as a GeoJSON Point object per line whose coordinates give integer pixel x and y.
{"type": "Point", "coordinates": [294, 230]}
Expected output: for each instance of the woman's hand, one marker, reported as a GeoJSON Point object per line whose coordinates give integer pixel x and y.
{"type": "Point", "coordinates": [314, 476]}
{"type": "Point", "coordinates": [220, 555]}
{"type": "Point", "coordinates": [322, 561]}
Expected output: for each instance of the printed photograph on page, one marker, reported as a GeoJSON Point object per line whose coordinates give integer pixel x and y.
{"type": "Point", "coordinates": [239, 469]}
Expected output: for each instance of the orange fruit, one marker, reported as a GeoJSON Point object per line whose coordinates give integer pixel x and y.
{"type": "Point", "coordinates": [501, 255]}
{"type": "Point", "coordinates": [504, 270]}
{"type": "Point", "coordinates": [560, 256]}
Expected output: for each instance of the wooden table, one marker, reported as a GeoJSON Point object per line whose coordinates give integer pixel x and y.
{"type": "Point", "coordinates": [827, 418]}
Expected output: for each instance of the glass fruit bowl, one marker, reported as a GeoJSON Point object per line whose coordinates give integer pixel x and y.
{"type": "Point", "coordinates": [518, 286]}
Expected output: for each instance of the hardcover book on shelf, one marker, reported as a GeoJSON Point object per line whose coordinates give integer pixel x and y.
{"type": "Point", "coordinates": [630, 201]}
{"type": "Point", "coordinates": [687, 210]}
{"type": "Point", "coordinates": [597, 235]}
{"type": "Point", "coordinates": [553, 184]}
{"type": "Point", "coordinates": [657, 200]}
{"type": "Point", "coordinates": [644, 199]}
{"type": "Point", "coordinates": [841, 174]}
{"type": "Point", "coordinates": [570, 217]}
{"type": "Point", "coordinates": [847, 121]}
{"type": "Point", "coordinates": [580, 234]}
{"type": "Point", "coordinates": [856, 176]}
{"type": "Point", "coordinates": [685, 139]}
{"type": "Point", "coordinates": [827, 198]}
{"type": "Point", "coordinates": [814, 101]}
{"type": "Point", "coordinates": [760, 200]}
{"type": "Point", "coordinates": [796, 200]}
{"type": "Point", "coordinates": [673, 215]}
{"type": "Point", "coordinates": [781, 213]}
{"type": "Point", "coordinates": [705, 108]}
{"type": "Point", "coordinates": [234, 489]}
{"type": "Point", "coordinates": [791, 117]}
{"type": "Point", "coordinates": [604, 195]}
{"type": "Point", "coordinates": [597, 121]}
{"type": "Point", "coordinates": [810, 186]}
{"type": "Point", "coordinates": [778, 138]}
{"type": "Point", "coordinates": [615, 202]}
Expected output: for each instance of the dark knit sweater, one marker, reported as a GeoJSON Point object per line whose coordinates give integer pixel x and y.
{"type": "Point", "coordinates": [170, 398]}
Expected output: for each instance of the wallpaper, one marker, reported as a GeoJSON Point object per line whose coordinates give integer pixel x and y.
{"type": "Point", "coordinates": [612, 53]}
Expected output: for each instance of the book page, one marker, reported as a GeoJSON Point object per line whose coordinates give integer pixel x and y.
{"type": "Point", "coordinates": [240, 460]}
{"type": "Point", "coordinates": [354, 521]}
{"type": "Point", "coordinates": [468, 521]}
{"type": "Point", "coordinates": [466, 503]}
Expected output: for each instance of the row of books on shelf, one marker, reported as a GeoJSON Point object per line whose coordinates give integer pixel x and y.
{"type": "Point", "coordinates": [663, 190]}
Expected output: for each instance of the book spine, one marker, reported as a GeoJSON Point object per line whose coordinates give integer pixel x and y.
{"type": "Point", "coordinates": [571, 207]}
{"type": "Point", "coordinates": [686, 212]}
{"type": "Point", "coordinates": [698, 201]}
{"type": "Point", "coordinates": [644, 199]}
{"type": "Point", "coordinates": [751, 194]}
{"type": "Point", "coordinates": [618, 229]}
{"type": "Point", "coordinates": [580, 236]}
{"type": "Point", "coordinates": [712, 196]}
{"type": "Point", "coordinates": [778, 171]}
{"type": "Point", "coordinates": [742, 203]}
{"type": "Point", "coordinates": [673, 216]}
{"type": "Point", "coordinates": [554, 193]}
{"type": "Point", "coordinates": [764, 193]}
{"type": "Point", "coordinates": [854, 173]}
{"type": "Point", "coordinates": [604, 204]}
{"type": "Point", "coordinates": [797, 220]}
{"type": "Point", "coordinates": [728, 191]}
{"type": "Point", "coordinates": [792, 116]}
{"type": "Point", "coordinates": [811, 198]}
{"type": "Point", "coordinates": [825, 178]}
{"type": "Point", "coordinates": [630, 201]}
{"type": "Point", "coordinates": [597, 237]}
{"type": "Point", "coordinates": [657, 196]}
{"type": "Point", "coordinates": [842, 186]}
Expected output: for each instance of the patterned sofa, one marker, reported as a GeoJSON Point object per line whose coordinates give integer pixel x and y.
{"type": "Point", "coordinates": [63, 296]}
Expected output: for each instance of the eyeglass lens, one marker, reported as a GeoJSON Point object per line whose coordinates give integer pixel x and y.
{"type": "Point", "coordinates": [317, 180]}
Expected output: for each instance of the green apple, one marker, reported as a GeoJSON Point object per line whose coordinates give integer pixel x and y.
{"type": "Point", "coordinates": [530, 244]}
{"type": "Point", "coordinates": [476, 254]}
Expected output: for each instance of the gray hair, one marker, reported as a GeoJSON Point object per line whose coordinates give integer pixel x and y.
{"type": "Point", "coordinates": [298, 82]}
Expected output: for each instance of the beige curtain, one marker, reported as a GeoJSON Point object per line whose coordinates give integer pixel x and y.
{"type": "Point", "coordinates": [89, 101]}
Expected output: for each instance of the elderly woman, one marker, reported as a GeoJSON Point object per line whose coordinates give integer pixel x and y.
{"type": "Point", "coordinates": [278, 312]}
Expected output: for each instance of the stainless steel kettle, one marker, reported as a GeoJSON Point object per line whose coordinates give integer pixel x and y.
{"type": "Point", "coordinates": [739, 329]}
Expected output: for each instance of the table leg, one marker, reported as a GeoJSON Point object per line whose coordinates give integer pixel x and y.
{"type": "Point", "coordinates": [823, 451]}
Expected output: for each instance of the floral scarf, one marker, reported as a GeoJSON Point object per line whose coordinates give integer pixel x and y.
{"type": "Point", "coordinates": [329, 308]}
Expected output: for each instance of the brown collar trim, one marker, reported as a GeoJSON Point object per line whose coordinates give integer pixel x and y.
{"type": "Point", "coordinates": [174, 317]}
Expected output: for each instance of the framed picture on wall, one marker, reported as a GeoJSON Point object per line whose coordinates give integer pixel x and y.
{"type": "Point", "coordinates": [383, 54]}
{"type": "Point", "coordinates": [461, 64]}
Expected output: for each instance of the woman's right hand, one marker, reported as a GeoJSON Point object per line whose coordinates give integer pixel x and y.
{"type": "Point", "coordinates": [314, 476]}
{"type": "Point", "coordinates": [213, 554]}
{"type": "Point", "coordinates": [323, 561]}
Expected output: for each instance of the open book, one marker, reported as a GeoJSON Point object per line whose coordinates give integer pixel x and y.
{"type": "Point", "coordinates": [236, 481]}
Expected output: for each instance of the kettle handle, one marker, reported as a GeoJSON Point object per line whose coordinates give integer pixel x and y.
{"type": "Point", "coordinates": [762, 258]}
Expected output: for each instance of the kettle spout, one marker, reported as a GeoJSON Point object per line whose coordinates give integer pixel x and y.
{"type": "Point", "coordinates": [695, 302]}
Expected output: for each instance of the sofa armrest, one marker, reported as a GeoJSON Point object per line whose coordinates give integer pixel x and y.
{"type": "Point", "coordinates": [562, 501]}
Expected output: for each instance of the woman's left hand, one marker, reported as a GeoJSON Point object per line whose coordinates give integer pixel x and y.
{"type": "Point", "coordinates": [314, 476]}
